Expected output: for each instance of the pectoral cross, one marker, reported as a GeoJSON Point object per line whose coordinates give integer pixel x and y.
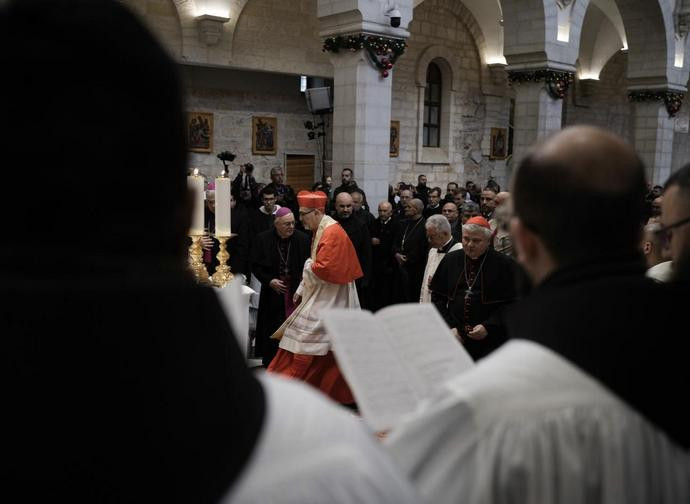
{"type": "Point", "coordinates": [468, 294]}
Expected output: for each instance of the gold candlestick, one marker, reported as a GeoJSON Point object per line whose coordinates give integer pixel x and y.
{"type": "Point", "coordinates": [196, 262]}
{"type": "Point", "coordinates": [223, 275]}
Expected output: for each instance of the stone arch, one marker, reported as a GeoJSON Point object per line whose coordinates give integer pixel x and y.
{"type": "Point", "coordinates": [162, 17]}
{"type": "Point", "coordinates": [651, 43]}
{"type": "Point", "coordinates": [536, 39]}
{"type": "Point", "coordinates": [602, 36]}
{"type": "Point", "coordinates": [447, 61]}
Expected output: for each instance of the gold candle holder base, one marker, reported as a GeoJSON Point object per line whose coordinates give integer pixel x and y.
{"type": "Point", "coordinates": [196, 262]}
{"type": "Point", "coordinates": [223, 275]}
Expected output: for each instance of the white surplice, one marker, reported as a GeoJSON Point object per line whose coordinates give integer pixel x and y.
{"type": "Point", "coordinates": [432, 262]}
{"type": "Point", "coordinates": [526, 426]}
{"type": "Point", "coordinates": [303, 332]}
{"type": "Point", "coordinates": [311, 451]}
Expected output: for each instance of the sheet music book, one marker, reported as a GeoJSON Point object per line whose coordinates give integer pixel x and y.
{"type": "Point", "coordinates": [394, 359]}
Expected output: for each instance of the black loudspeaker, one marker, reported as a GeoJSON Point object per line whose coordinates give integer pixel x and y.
{"type": "Point", "coordinates": [319, 100]}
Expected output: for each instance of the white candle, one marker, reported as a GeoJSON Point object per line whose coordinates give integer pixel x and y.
{"type": "Point", "coordinates": [196, 185]}
{"type": "Point", "coordinates": [223, 206]}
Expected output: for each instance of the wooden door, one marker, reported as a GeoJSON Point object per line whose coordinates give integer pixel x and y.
{"type": "Point", "coordinates": [299, 171]}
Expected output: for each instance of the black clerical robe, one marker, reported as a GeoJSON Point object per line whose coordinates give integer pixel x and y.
{"type": "Point", "coordinates": [270, 261]}
{"type": "Point", "coordinates": [470, 292]}
{"type": "Point", "coordinates": [623, 329]}
{"type": "Point", "coordinates": [124, 386]}
{"type": "Point", "coordinates": [358, 232]}
{"type": "Point", "coordinates": [413, 244]}
{"type": "Point", "coordinates": [385, 280]}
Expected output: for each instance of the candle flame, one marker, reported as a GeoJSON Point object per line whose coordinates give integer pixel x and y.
{"type": "Point", "coordinates": [196, 172]}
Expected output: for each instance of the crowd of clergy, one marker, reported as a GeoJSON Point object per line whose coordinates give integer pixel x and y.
{"type": "Point", "coordinates": [123, 380]}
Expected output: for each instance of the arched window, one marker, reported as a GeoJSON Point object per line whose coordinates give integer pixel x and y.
{"type": "Point", "coordinates": [432, 107]}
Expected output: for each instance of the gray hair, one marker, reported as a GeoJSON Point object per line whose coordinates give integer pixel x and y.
{"type": "Point", "coordinates": [470, 206]}
{"type": "Point", "coordinates": [471, 228]}
{"type": "Point", "coordinates": [417, 203]}
{"type": "Point", "coordinates": [439, 223]}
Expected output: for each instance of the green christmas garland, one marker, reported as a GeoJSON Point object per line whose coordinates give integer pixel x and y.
{"type": "Point", "coordinates": [672, 100]}
{"type": "Point", "coordinates": [557, 81]}
{"type": "Point", "coordinates": [383, 51]}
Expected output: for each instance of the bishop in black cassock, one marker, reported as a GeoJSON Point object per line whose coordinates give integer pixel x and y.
{"type": "Point", "coordinates": [471, 288]}
{"type": "Point", "coordinates": [279, 254]}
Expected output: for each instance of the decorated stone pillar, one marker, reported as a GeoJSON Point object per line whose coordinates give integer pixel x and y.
{"type": "Point", "coordinates": [364, 39]}
{"type": "Point", "coordinates": [653, 129]}
{"type": "Point", "coordinates": [538, 105]}
{"type": "Point", "coordinates": [363, 65]}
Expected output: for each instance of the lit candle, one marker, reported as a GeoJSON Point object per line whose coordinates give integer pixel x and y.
{"type": "Point", "coordinates": [223, 205]}
{"type": "Point", "coordinates": [195, 183]}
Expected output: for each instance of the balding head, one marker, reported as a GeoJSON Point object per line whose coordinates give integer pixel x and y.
{"type": "Point", "coordinates": [343, 205]}
{"type": "Point", "coordinates": [385, 210]}
{"type": "Point", "coordinates": [502, 197]}
{"type": "Point", "coordinates": [414, 208]}
{"type": "Point", "coordinates": [582, 192]}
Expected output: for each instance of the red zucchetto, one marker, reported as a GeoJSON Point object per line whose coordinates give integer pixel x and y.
{"type": "Point", "coordinates": [308, 199]}
{"type": "Point", "coordinates": [479, 221]}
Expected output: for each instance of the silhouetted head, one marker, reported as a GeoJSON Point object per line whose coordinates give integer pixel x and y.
{"type": "Point", "coordinates": [95, 130]}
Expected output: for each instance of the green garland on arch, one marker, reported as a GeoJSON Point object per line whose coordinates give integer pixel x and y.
{"type": "Point", "coordinates": [383, 51]}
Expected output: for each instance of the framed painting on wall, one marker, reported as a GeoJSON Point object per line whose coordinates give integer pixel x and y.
{"type": "Point", "coordinates": [499, 143]}
{"type": "Point", "coordinates": [200, 131]}
{"type": "Point", "coordinates": [395, 139]}
{"type": "Point", "coordinates": [264, 135]}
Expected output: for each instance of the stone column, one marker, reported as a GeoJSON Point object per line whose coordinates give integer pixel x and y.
{"type": "Point", "coordinates": [365, 38]}
{"type": "Point", "coordinates": [653, 130]}
{"type": "Point", "coordinates": [361, 123]}
{"type": "Point", "coordinates": [538, 106]}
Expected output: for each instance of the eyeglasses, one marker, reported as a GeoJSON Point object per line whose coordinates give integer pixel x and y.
{"type": "Point", "coordinates": [302, 214]}
{"type": "Point", "coordinates": [665, 232]}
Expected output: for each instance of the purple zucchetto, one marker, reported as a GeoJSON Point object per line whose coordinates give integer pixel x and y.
{"type": "Point", "coordinates": [282, 212]}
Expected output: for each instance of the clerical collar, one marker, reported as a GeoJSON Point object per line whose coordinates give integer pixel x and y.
{"type": "Point", "coordinates": [444, 249]}
{"type": "Point", "coordinates": [386, 221]}
{"type": "Point", "coordinates": [474, 261]}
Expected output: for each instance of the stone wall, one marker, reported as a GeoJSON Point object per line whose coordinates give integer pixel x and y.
{"type": "Point", "coordinates": [681, 137]}
{"type": "Point", "coordinates": [442, 26]}
{"type": "Point", "coordinates": [603, 103]}
{"type": "Point", "coordinates": [234, 96]}
{"type": "Point", "coordinates": [161, 18]}
{"type": "Point", "coordinates": [280, 36]}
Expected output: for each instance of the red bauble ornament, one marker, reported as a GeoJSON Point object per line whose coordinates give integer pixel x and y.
{"type": "Point", "coordinates": [384, 73]}
{"type": "Point", "coordinates": [389, 65]}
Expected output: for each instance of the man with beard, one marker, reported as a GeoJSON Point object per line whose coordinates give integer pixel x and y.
{"type": "Point", "coordinates": [328, 281]}
{"type": "Point", "coordinates": [279, 256]}
{"type": "Point", "coordinates": [472, 287]}
{"type": "Point", "coordinates": [421, 192]}
{"type": "Point", "coordinates": [358, 232]}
